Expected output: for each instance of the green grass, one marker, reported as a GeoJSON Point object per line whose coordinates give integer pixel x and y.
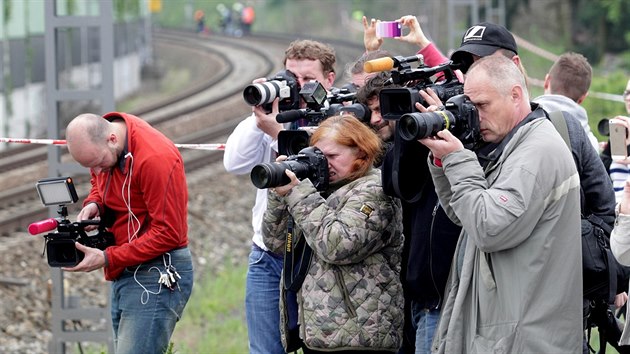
{"type": "Point", "coordinates": [214, 318]}
{"type": "Point", "coordinates": [595, 342]}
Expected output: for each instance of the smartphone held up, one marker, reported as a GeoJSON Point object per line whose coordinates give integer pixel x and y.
{"type": "Point", "coordinates": [618, 135]}
{"type": "Point", "coordinates": [388, 29]}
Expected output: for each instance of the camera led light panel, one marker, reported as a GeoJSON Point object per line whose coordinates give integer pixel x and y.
{"type": "Point", "coordinates": [56, 191]}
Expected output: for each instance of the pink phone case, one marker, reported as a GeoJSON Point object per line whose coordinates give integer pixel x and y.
{"type": "Point", "coordinates": [388, 29]}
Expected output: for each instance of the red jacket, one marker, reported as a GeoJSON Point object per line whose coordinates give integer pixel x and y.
{"type": "Point", "coordinates": [154, 169]}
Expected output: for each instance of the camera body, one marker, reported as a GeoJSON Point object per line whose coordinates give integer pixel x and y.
{"type": "Point", "coordinates": [397, 101]}
{"type": "Point", "coordinates": [309, 163]}
{"type": "Point", "coordinates": [60, 245]}
{"type": "Point", "coordinates": [319, 106]}
{"type": "Point", "coordinates": [459, 116]}
{"type": "Point", "coordinates": [283, 85]}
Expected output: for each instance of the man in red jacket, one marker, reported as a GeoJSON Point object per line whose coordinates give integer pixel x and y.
{"type": "Point", "coordinates": [139, 184]}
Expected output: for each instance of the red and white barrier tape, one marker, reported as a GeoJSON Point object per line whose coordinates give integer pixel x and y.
{"type": "Point", "coordinates": [33, 141]}
{"type": "Point", "coordinates": [63, 142]}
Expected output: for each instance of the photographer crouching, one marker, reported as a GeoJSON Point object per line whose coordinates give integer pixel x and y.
{"type": "Point", "coordinates": [137, 177]}
{"type": "Point", "coordinates": [348, 281]}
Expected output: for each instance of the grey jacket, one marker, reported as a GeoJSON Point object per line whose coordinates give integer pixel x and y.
{"type": "Point", "coordinates": [562, 103]}
{"type": "Point", "coordinates": [516, 281]}
{"type": "Point", "coordinates": [352, 295]}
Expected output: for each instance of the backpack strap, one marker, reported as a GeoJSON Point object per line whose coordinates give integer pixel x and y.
{"type": "Point", "coordinates": [297, 259]}
{"type": "Point", "coordinates": [610, 258]}
{"type": "Point", "coordinates": [596, 220]}
{"type": "Point", "coordinates": [557, 118]}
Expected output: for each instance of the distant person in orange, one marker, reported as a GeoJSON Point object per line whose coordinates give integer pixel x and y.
{"type": "Point", "coordinates": [200, 19]}
{"type": "Point", "coordinates": [248, 15]}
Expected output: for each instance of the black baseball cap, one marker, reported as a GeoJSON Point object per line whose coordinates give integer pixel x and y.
{"type": "Point", "coordinates": [482, 40]}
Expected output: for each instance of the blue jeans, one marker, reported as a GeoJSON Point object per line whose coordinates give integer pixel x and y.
{"type": "Point", "coordinates": [262, 296]}
{"type": "Point", "coordinates": [144, 313]}
{"type": "Point", "coordinates": [424, 321]}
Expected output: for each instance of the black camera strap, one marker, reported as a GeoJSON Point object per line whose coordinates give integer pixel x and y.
{"type": "Point", "coordinates": [297, 259]}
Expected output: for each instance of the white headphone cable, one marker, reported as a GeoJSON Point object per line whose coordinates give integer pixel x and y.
{"type": "Point", "coordinates": [133, 224]}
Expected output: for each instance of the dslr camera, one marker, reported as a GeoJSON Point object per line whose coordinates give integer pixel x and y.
{"type": "Point", "coordinates": [60, 245]}
{"type": "Point", "coordinates": [283, 85]}
{"type": "Point", "coordinates": [459, 116]}
{"type": "Point", "coordinates": [319, 106]}
{"type": "Point", "coordinates": [309, 163]}
{"type": "Point", "coordinates": [397, 101]}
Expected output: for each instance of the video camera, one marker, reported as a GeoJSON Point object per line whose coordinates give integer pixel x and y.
{"type": "Point", "coordinates": [283, 85]}
{"type": "Point", "coordinates": [60, 245]}
{"type": "Point", "coordinates": [309, 163]}
{"type": "Point", "coordinates": [394, 102]}
{"type": "Point", "coordinates": [319, 106]}
{"type": "Point", "coordinates": [459, 116]}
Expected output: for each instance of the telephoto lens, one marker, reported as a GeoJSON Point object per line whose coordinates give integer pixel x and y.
{"type": "Point", "coordinates": [309, 163]}
{"type": "Point", "coordinates": [414, 126]}
{"type": "Point", "coordinates": [269, 175]}
{"type": "Point", "coordinates": [264, 92]}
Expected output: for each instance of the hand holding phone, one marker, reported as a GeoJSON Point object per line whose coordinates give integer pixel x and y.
{"type": "Point", "coordinates": [388, 29]}
{"type": "Point", "coordinates": [618, 135]}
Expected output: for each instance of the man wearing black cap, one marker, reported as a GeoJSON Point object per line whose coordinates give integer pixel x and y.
{"type": "Point", "coordinates": [515, 279]}
{"type": "Point", "coordinates": [487, 39]}
{"type": "Point", "coordinates": [483, 40]}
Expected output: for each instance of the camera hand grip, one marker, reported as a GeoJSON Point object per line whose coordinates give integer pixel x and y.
{"type": "Point", "coordinates": [42, 226]}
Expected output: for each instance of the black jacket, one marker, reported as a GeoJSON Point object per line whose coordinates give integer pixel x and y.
{"type": "Point", "coordinates": [430, 236]}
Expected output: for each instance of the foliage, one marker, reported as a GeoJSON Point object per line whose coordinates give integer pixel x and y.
{"type": "Point", "coordinates": [214, 318]}
{"type": "Point", "coordinates": [126, 9]}
{"type": "Point", "coordinates": [512, 9]}
{"type": "Point", "coordinates": [601, 27]}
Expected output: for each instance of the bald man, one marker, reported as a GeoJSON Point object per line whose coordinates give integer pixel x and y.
{"type": "Point", "coordinates": [139, 185]}
{"type": "Point", "coordinates": [516, 281]}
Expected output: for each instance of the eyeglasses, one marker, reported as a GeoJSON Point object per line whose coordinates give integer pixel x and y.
{"type": "Point", "coordinates": [626, 95]}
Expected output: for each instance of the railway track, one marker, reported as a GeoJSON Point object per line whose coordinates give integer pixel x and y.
{"type": "Point", "coordinates": [206, 112]}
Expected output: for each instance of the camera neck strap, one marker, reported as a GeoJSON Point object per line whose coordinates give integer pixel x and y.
{"type": "Point", "coordinates": [297, 258]}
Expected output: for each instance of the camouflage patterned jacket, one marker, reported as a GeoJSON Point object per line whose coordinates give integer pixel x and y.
{"type": "Point", "coordinates": [352, 296]}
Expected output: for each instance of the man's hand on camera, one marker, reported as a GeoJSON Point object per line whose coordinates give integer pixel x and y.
{"type": "Point", "coordinates": [267, 122]}
{"type": "Point", "coordinates": [442, 144]}
{"type": "Point", "coordinates": [89, 212]}
{"type": "Point", "coordinates": [432, 100]}
{"type": "Point", "coordinates": [93, 259]}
